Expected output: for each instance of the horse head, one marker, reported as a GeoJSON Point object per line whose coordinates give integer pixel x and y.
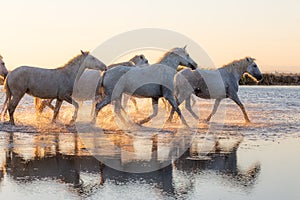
{"type": "Point", "coordinates": [3, 70]}
{"type": "Point", "coordinates": [184, 58]}
{"type": "Point", "coordinates": [253, 69]}
{"type": "Point", "coordinates": [92, 62]}
{"type": "Point", "coordinates": [139, 60]}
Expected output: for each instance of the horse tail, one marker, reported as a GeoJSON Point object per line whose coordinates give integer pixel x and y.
{"type": "Point", "coordinates": [7, 91]}
{"type": "Point", "coordinates": [101, 85]}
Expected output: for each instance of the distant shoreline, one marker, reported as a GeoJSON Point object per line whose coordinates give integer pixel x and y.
{"type": "Point", "coordinates": [268, 79]}
{"type": "Point", "coordinates": [273, 79]}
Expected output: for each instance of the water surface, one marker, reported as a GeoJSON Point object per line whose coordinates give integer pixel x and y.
{"type": "Point", "coordinates": [256, 161]}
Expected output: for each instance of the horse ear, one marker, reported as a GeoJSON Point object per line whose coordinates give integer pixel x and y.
{"type": "Point", "coordinates": [184, 47]}
{"type": "Point", "coordinates": [84, 52]}
{"type": "Point", "coordinates": [249, 59]}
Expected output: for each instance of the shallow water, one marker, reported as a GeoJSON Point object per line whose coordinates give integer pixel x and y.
{"type": "Point", "coordinates": [237, 161]}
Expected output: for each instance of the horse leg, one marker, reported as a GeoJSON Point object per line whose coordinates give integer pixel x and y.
{"type": "Point", "coordinates": [5, 106]}
{"type": "Point", "coordinates": [95, 101]}
{"type": "Point", "coordinates": [56, 109]}
{"type": "Point", "coordinates": [173, 111]}
{"type": "Point", "coordinates": [4, 111]}
{"type": "Point", "coordinates": [167, 106]}
{"type": "Point", "coordinates": [99, 106]}
{"type": "Point", "coordinates": [154, 113]}
{"type": "Point", "coordinates": [193, 100]}
{"type": "Point", "coordinates": [76, 105]}
{"type": "Point", "coordinates": [189, 108]}
{"type": "Point", "coordinates": [179, 100]}
{"type": "Point", "coordinates": [216, 105]}
{"type": "Point", "coordinates": [171, 115]}
{"type": "Point", "coordinates": [117, 109]}
{"type": "Point", "coordinates": [236, 99]}
{"type": "Point", "coordinates": [175, 107]}
{"type": "Point", "coordinates": [48, 102]}
{"type": "Point", "coordinates": [12, 106]}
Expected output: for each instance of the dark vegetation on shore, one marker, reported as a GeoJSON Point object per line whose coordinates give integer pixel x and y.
{"type": "Point", "coordinates": [273, 79]}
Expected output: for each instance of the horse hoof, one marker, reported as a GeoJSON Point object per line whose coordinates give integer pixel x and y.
{"type": "Point", "coordinates": [72, 122]}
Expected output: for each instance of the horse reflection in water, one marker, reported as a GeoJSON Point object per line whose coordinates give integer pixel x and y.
{"type": "Point", "coordinates": [50, 156]}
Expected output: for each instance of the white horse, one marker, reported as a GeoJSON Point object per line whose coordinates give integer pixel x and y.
{"type": "Point", "coordinates": [214, 84]}
{"type": "Point", "coordinates": [48, 83]}
{"type": "Point", "coordinates": [153, 81]}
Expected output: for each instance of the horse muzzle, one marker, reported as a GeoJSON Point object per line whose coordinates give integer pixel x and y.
{"type": "Point", "coordinates": [5, 75]}
{"type": "Point", "coordinates": [259, 77]}
{"type": "Point", "coordinates": [192, 65]}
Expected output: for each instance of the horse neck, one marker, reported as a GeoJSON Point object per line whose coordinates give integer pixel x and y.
{"type": "Point", "coordinates": [74, 69]}
{"type": "Point", "coordinates": [237, 71]}
{"type": "Point", "coordinates": [170, 60]}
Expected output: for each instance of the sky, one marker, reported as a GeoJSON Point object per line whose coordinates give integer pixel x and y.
{"type": "Point", "coordinates": [48, 33]}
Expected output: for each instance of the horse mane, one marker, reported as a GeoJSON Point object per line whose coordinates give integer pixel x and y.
{"type": "Point", "coordinates": [238, 63]}
{"type": "Point", "coordinates": [163, 56]}
{"type": "Point", "coordinates": [132, 59]}
{"type": "Point", "coordinates": [166, 53]}
{"type": "Point", "coordinates": [75, 60]}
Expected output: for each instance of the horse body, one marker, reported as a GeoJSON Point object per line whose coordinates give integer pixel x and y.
{"type": "Point", "coordinates": [153, 81]}
{"type": "Point", "coordinates": [48, 83]}
{"type": "Point", "coordinates": [138, 82]}
{"type": "Point", "coordinates": [29, 76]}
{"type": "Point", "coordinates": [214, 84]}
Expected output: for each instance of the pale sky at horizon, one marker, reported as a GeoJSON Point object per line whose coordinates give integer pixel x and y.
{"type": "Point", "coordinates": [49, 33]}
